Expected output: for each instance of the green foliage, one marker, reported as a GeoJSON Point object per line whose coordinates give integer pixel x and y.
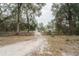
{"type": "Point", "coordinates": [66, 17]}
{"type": "Point", "coordinates": [19, 16]}
{"type": "Point", "coordinates": [41, 27]}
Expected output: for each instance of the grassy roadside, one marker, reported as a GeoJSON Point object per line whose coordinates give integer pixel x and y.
{"type": "Point", "coordinates": [13, 39]}
{"type": "Point", "coordinates": [63, 45]}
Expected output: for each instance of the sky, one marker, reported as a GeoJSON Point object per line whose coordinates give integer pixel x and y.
{"type": "Point", "coordinates": [46, 14]}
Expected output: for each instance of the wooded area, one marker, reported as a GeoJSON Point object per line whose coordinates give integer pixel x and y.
{"type": "Point", "coordinates": [16, 17]}
{"type": "Point", "coordinates": [66, 19]}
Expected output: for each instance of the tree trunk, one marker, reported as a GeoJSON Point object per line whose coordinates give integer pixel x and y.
{"type": "Point", "coordinates": [70, 19]}
{"type": "Point", "coordinates": [28, 25]}
{"type": "Point", "coordinates": [18, 18]}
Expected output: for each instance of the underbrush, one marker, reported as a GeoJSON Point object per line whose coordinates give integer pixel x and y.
{"type": "Point", "coordinates": [3, 34]}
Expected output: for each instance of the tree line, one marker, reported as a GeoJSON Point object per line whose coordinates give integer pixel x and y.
{"type": "Point", "coordinates": [22, 17]}
{"type": "Point", "coordinates": [66, 19]}
{"type": "Point", "coordinates": [19, 16]}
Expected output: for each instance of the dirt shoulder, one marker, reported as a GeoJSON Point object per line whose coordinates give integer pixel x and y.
{"type": "Point", "coordinates": [63, 45]}
{"type": "Point", "coordinates": [13, 39]}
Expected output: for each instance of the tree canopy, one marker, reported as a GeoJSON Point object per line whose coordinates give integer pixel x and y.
{"type": "Point", "coordinates": [19, 16]}
{"type": "Point", "coordinates": [66, 17]}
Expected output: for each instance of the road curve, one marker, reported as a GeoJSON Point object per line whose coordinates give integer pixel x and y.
{"type": "Point", "coordinates": [25, 47]}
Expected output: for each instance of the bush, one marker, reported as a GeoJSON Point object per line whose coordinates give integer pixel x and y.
{"type": "Point", "coordinates": [67, 40]}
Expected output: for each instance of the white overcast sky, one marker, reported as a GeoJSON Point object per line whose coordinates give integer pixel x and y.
{"type": "Point", "coordinates": [46, 14]}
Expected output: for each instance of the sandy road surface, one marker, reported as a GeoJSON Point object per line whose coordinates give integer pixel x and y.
{"type": "Point", "coordinates": [24, 48]}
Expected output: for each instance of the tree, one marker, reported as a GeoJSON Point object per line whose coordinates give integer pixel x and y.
{"type": "Point", "coordinates": [32, 10]}
{"type": "Point", "coordinates": [41, 27]}
{"type": "Point", "coordinates": [19, 17]}
{"type": "Point", "coordinates": [66, 18]}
